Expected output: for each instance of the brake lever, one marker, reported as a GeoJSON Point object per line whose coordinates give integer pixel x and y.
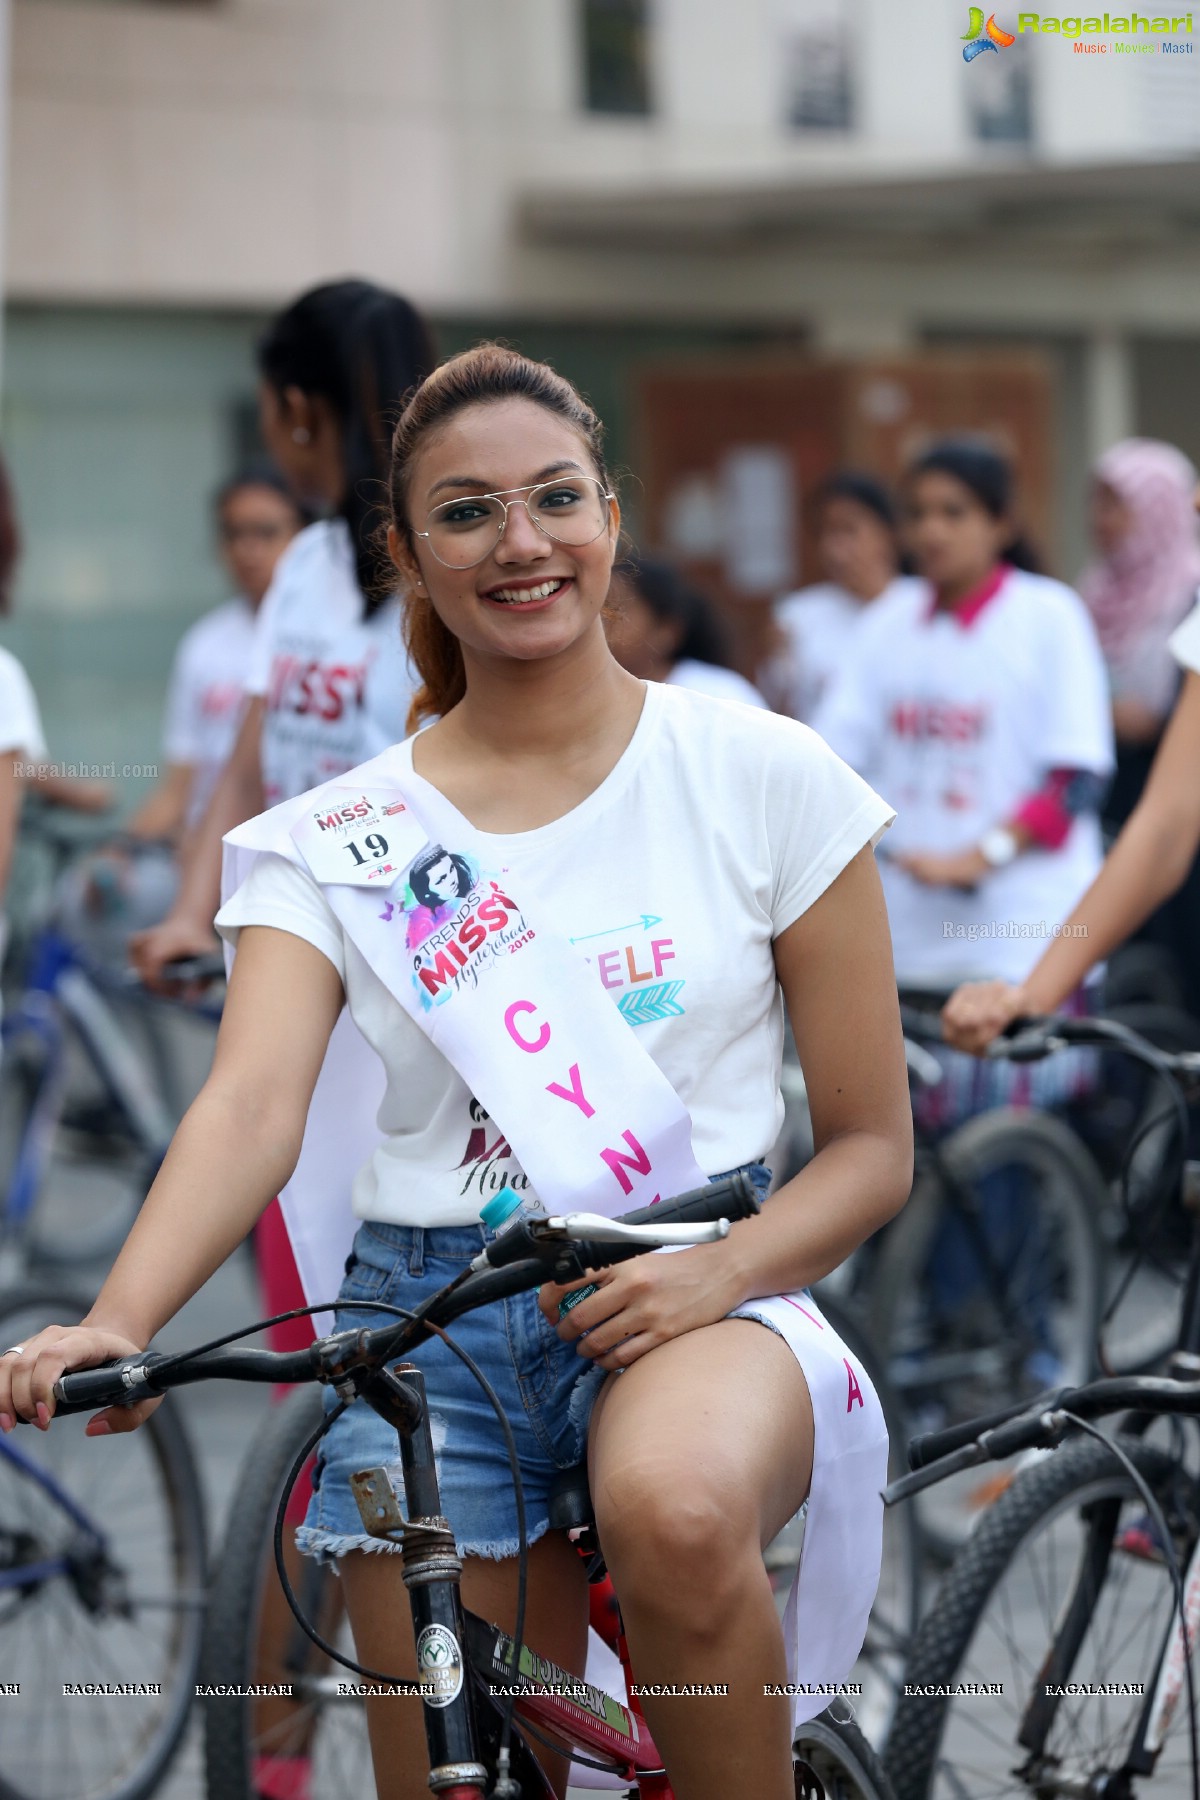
{"type": "Point", "coordinates": [594, 1228]}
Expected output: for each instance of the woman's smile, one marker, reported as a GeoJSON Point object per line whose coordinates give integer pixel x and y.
{"type": "Point", "coordinates": [529, 596]}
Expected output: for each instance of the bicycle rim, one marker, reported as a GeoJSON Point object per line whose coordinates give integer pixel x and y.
{"type": "Point", "coordinates": [834, 1751]}
{"type": "Point", "coordinates": [251, 1638]}
{"type": "Point", "coordinates": [131, 1615]}
{"type": "Point", "coordinates": [1058, 1537]}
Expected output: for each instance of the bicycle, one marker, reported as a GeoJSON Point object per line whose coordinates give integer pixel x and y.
{"type": "Point", "coordinates": [473, 1747]}
{"type": "Point", "coordinates": [79, 1164]}
{"type": "Point", "coordinates": [102, 1577]}
{"type": "Point", "coordinates": [1071, 1584]}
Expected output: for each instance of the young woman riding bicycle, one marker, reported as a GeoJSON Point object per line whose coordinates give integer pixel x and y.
{"type": "Point", "coordinates": [745, 844]}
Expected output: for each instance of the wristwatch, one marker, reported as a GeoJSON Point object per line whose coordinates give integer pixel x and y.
{"type": "Point", "coordinates": [998, 846]}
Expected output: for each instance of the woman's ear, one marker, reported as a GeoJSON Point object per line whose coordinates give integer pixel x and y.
{"type": "Point", "coordinates": [402, 558]}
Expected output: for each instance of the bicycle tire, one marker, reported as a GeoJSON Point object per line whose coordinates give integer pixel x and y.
{"type": "Point", "coordinates": [1161, 1234]}
{"type": "Point", "coordinates": [842, 1759]}
{"type": "Point", "coordinates": [998, 1139]}
{"type": "Point", "coordinates": [242, 1567]}
{"type": "Point", "coordinates": [157, 1465]}
{"type": "Point", "coordinates": [1083, 1471]}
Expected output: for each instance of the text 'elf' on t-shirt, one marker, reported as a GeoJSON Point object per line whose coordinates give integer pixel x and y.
{"type": "Point", "coordinates": [337, 686]}
{"type": "Point", "coordinates": [206, 697]}
{"type": "Point", "coordinates": [717, 828]}
{"type": "Point", "coordinates": [958, 717]}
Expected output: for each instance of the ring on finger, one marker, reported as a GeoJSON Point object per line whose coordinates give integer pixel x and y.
{"type": "Point", "coordinates": [15, 1350]}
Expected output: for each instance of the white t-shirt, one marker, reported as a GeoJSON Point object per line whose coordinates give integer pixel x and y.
{"type": "Point", "coordinates": [1184, 641]}
{"type": "Point", "coordinates": [819, 625]}
{"type": "Point", "coordinates": [719, 826]}
{"type": "Point", "coordinates": [710, 678]}
{"type": "Point", "coordinates": [20, 720]}
{"type": "Point", "coordinates": [206, 697]}
{"type": "Point", "coordinates": [957, 724]}
{"type": "Point", "coordinates": [337, 686]}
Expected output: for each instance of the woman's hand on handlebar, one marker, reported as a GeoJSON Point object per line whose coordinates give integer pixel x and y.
{"type": "Point", "coordinates": [176, 937]}
{"type": "Point", "coordinates": [641, 1304]}
{"type": "Point", "coordinates": [27, 1381]}
{"type": "Point", "coordinates": [979, 1011]}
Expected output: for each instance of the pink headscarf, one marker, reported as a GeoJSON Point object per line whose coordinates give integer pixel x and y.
{"type": "Point", "coordinates": [1150, 580]}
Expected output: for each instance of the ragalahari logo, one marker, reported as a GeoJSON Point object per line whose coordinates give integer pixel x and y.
{"type": "Point", "coordinates": [983, 37]}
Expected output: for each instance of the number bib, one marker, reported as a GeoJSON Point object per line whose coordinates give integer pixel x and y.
{"type": "Point", "coordinates": [357, 838]}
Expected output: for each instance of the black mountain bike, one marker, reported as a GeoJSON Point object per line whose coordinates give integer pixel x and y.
{"type": "Point", "coordinates": [488, 1697]}
{"type": "Point", "coordinates": [1057, 1658]}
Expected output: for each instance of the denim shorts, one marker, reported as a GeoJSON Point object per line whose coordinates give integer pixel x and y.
{"type": "Point", "coordinates": [545, 1387]}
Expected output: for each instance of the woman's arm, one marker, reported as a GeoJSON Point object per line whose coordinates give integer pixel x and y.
{"type": "Point", "coordinates": [835, 966]}
{"type": "Point", "coordinates": [10, 813]}
{"type": "Point", "coordinates": [235, 1148]}
{"type": "Point", "coordinates": [187, 929]}
{"type": "Point", "coordinates": [162, 813]}
{"type": "Point", "coordinates": [1146, 865]}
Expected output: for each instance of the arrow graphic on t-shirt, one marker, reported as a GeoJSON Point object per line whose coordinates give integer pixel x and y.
{"type": "Point", "coordinates": [646, 921]}
{"type": "Point", "coordinates": [640, 1006]}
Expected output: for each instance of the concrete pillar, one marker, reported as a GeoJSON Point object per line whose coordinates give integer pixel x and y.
{"type": "Point", "coordinates": [1109, 398]}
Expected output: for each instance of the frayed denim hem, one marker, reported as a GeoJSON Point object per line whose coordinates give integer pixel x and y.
{"type": "Point", "coordinates": [328, 1547]}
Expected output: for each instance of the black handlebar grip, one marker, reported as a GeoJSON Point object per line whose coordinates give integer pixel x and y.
{"type": "Point", "coordinates": [733, 1197]}
{"type": "Point", "coordinates": [84, 1390]}
{"type": "Point", "coordinates": [935, 1444]}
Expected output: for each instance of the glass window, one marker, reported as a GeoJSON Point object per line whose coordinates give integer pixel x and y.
{"type": "Point", "coordinates": [1000, 95]}
{"type": "Point", "coordinates": [616, 56]}
{"type": "Point", "coordinates": [817, 58]}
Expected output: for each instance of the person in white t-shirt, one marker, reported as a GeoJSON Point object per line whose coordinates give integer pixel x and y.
{"type": "Point", "coordinates": [663, 629]}
{"type": "Point", "coordinates": [977, 703]}
{"type": "Point", "coordinates": [1149, 862]}
{"type": "Point", "coordinates": [257, 517]}
{"type": "Point", "coordinates": [327, 678]}
{"type": "Point", "coordinates": [715, 852]}
{"type": "Point", "coordinates": [858, 552]}
{"type": "Point", "coordinates": [21, 741]}
{"type": "Point", "coordinates": [130, 884]}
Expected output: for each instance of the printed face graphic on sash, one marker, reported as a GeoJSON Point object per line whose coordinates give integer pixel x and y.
{"type": "Point", "coordinates": [438, 876]}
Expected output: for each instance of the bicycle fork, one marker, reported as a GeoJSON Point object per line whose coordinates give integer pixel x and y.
{"type": "Point", "coordinates": [432, 1570]}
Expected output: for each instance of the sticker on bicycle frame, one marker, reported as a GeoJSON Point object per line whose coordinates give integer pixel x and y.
{"type": "Point", "coordinates": [439, 1665]}
{"type": "Point", "coordinates": [357, 839]}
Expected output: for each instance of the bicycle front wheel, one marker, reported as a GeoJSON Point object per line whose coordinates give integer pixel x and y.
{"type": "Point", "coordinates": [252, 1639]}
{"type": "Point", "coordinates": [1062, 1588]}
{"type": "Point", "coordinates": [834, 1761]}
{"type": "Point", "coordinates": [101, 1593]}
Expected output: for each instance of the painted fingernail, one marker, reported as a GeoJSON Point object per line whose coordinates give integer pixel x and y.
{"type": "Point", "coordinates": [43, 1414]}
{"type": "Point", "coordinates": [98, 1428]}
{"type": "Point", "coordinates": [6, 1423]}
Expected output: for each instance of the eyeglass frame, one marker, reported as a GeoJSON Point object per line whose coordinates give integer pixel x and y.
{"type": "Point", "coordinates": [530, 488]}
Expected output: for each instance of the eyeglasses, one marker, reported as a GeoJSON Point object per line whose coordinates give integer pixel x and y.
{"type": "Point", "coordinates": [571, 510]}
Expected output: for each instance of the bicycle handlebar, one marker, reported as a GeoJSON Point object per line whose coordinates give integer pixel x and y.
{"type": "Point", "coordinates": [550, 1256]}
{"type": "Point", "coordinates": [1040, 1424]}
{"type": "Point", "coordinates": [1031, 1039]}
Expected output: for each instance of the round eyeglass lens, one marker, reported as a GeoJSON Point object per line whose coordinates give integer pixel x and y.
{"type": "Point", "coordinates": [572, 509]}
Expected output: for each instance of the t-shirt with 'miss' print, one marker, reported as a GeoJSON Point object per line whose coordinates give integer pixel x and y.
{"type": "Point", "coordinates": [716, 829]}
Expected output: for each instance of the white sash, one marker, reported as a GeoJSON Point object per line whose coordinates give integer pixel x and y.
{"type": "Point", "coordinates": [589, 1115]}
{"type": "Point", "coordinates": [591, 1118]}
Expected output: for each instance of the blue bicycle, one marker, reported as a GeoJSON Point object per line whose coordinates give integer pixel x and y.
{"type": "Point", "coordinates": [86, 1103]}
{"type": "Point", "coordinates": [102, 1595]}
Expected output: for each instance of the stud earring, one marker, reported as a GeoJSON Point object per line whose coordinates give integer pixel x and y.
{"type": "Point", "coordinates": [301, 435]}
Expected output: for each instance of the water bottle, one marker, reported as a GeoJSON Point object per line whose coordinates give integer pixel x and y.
{"type": "Point", "coordinates": [508, 1208]}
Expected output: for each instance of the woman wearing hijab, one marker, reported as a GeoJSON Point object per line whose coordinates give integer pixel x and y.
{"type": "Point", "coordinates": [1141, 585]}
